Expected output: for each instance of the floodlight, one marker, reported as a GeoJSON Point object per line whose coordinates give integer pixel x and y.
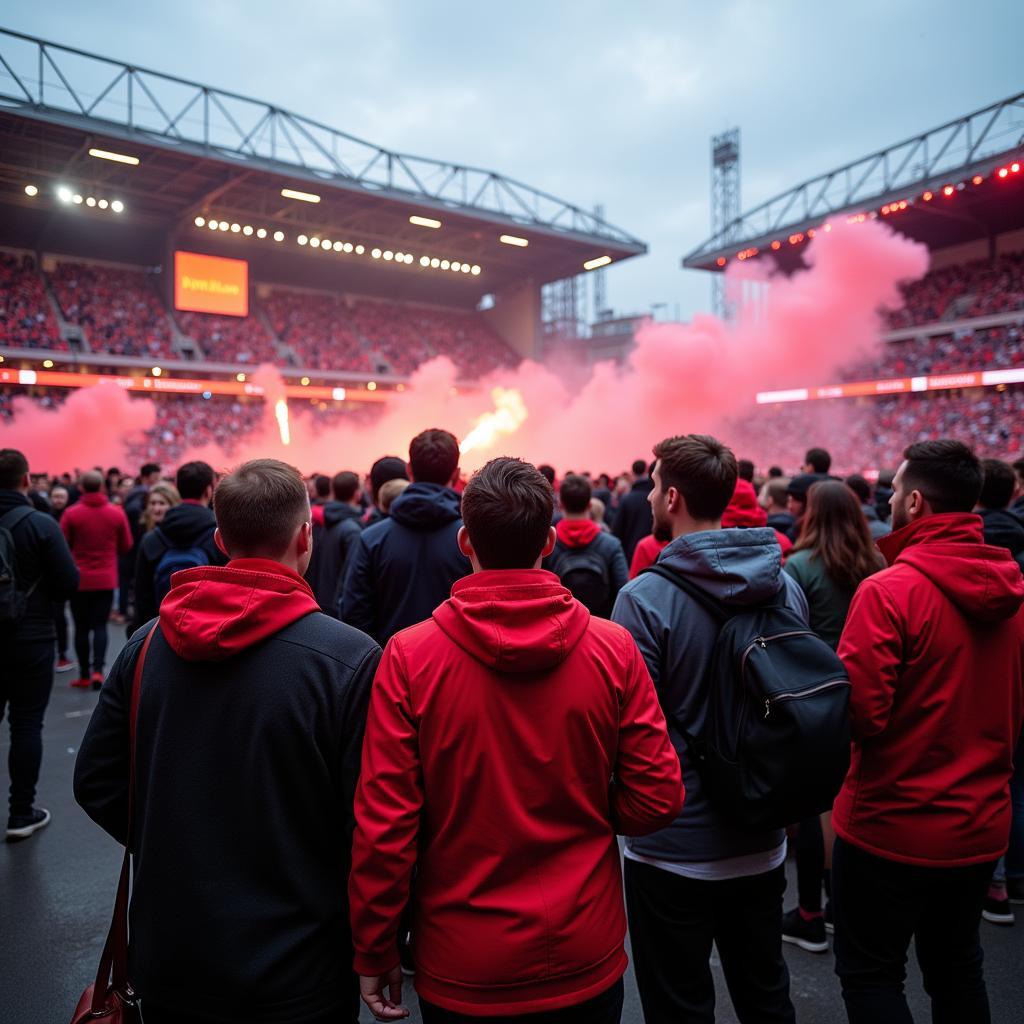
{"type": "Point", "coordinates": [475, 270]}
{"type": "Point", "coordinates": [425, 222]}
{"type": "Point", "coordinates": [456, 266]}
{"type": "Point", "coordinates": [90, 201]}
{"type": "Point", "coordinates": [424, 261]}
{"type": "Point", "coordinates": [278, 236]}
{"type": "Point", "coordinates": [388, 254]}
{"type": "Point", "coordinates": [213, 225]}
{"type": "Point", "coordinates": [235, 228]}
{"type": "Point", "coordinates": [119, 158]}
{"type": "Point", "coordinates": [347, 247]}
{"type": "Point", "coordinates": [224, 225]}
{"type": "Point", "coordinates": [302, 239]}
{"type": "Point", "coordinates": [371, 385]}
{"type": "Point", "coordinates": [306, 197]}
{"type": "Point", "coordinates": [261, 232]}
{"type": "Point", "coordinates": [247, 230]}
{"type": "Point", "coordinates": [200, 222]}
{"type": "Point", "coordinates": [77, 199]}
{"type": "Point", "coordinates": [103, 204]}
{"type": "Point", "coordinates": [338, 246]}
{"type": "Point", "coordinates": [156, 371]}
{"type": "Point", "coordinates": [375, 254]}
{"type": "Point", "coordinates": [31, 190]}
{"type": "Point", "coordinates": [603, 261]}
{"type": "Point", "coordinates": [435, 263]}
{"type": "Point", "coordinates": [514, 240]}
{"type": "Point", "coordinates": [445, 264]}
{"type": "Point", "coordinates": [360, 250]}
{"type": "Point", "coordinates": [64, 194]}
{"type": "Point", "coordinates": [117, 206]}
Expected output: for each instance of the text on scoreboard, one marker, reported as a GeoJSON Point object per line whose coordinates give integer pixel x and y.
{"type": "Point", "coordinates": [211, 284]}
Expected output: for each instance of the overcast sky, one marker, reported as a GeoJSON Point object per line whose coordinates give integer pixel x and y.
{"type": "Point", "coordinates": [593, 101]}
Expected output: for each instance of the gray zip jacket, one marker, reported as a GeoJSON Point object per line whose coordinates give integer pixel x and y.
{"type": "Point", "coordinates": [676, 637]}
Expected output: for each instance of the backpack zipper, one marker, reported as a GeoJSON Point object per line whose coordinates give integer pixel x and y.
{"type": "Point", "coordinates": [762, 642]}
{"type": "Point", "coordinates": [779, 697]}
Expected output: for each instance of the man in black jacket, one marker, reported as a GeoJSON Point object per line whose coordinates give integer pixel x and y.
{"type": "Point", "coordinates": [334, 541]}
{"type": "Point", "coordinates": [403, 567]}
{"type": "Point", "coordinates": [250, 726]}
{"type": "Point", "coordinates": [186, 532]}
{"type": "Point", "coordinates": [43, 566]}
{"type": "Point", "coordinates": [633, 519]}
{"type": "Point", "coordinates": [1002, 528]}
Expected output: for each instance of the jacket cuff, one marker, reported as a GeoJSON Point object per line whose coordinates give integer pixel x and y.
{"type": "Point", "coordinates": [375, 965]}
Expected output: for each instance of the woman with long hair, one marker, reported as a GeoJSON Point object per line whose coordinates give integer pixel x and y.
{"type": "Point", "coordinates": [162, 496]}
{"type": "Point", "coordinates": [834, 553]}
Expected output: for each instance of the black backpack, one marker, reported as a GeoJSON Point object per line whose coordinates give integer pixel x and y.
{"type": "Point", "coordinates": [584, 573]}
{"type": "Point", "coordinates": [776, 741]}
{"type": "Point", "coordinates": [13, 601]}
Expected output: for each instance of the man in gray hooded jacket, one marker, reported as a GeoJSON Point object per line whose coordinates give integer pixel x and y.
{"type": "Point", "coordinates": [702, 880]}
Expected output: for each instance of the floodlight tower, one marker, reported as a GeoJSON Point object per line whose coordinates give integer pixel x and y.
{"type": "Point", "coordinates": [600, 282]}
{"type": "Point", "coordinates": [725, 202]}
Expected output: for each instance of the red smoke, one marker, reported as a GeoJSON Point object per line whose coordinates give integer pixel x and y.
{"type": "Point", "coordinates": [679, 378]}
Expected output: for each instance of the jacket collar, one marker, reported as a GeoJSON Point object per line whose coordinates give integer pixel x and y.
{"type": "Point", "coordinates": [942, 527]}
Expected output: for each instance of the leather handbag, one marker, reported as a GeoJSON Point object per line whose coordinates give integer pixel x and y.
{"type": "Point", "coordinates": [110, 997]}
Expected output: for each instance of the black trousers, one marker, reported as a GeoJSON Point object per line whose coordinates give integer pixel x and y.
{"type": "Point", "coordinates": [90, 609]}
{"type": "Point", "coordinates": [879, 906]}
{"type": "Point", "coordinates": [603, 1009]}
{"type": "Point", "coordinates": [60, 623]}
{"type": "Point", "coordinates": [673, 922]}
{"type": "Point", "coordinates": [25, 686]}
{"type": "Point", "coordinates": [810, 863]}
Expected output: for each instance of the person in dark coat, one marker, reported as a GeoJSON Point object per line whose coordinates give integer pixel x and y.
{"type": "Point", "coordinates": [189, 525]}
{"type": "Point", "coordinates": [250, 722]}
{"type": "Point", "coordinates": [44, 567]}
{"type": "Point", "coordinates": [404, 567]}
{"type": "Point", "coordinates": [633, 519]}
{"type": "Point", "coordinates": [390, 467]}
{"type": "Point", "coordinates": [1001, 527]}
{"type": "Point", "coordinates": [334, 540]}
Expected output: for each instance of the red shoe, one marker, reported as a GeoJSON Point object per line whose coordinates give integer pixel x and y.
{"type": "Point", "coordinates": [118, 618]}
{"type": "Point", "coordinates": [82, 684]}
{"type": "Point", "coordinates": [97, 680]}
{"type": "Point", "coordinates": [63, 664]}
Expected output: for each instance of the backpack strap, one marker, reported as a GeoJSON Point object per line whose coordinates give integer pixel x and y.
{"type": "Point", "coordinates": [720, 612]}
{"type": "Point", "coordinates": [12, 517]}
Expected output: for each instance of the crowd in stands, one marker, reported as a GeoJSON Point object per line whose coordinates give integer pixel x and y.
{"type": "Point", "coordinates": [977, 288]}
{"type": "Point", "coordinates": [229, 339]}
{"type": "Point", "coordinates": [26, 319]}
{"type": "Point", "coordinates": [318, 329]}
{"type": "Point", "coordinates": [185, 423]}
{"type": "Point", "coordinates": [120, 310]}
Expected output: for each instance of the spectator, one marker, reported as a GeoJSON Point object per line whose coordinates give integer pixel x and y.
{"type": "Point", "coordinates": [334, 543]}
{"type": "Point", "coordinates": [924, 813]}
{"type": "Point", "coordinates": [776, 492]}
{"type": "Point", "coordinates": [702, 879]}
{"type": "Point", "coordinates": [745, 468]}
{"type": "Point", "coordinates": [833, 554]}
{"type": "Point", "coordinates": [263, 773]}
{"type": "Point", "coordinates": [646, 553]}
{"type": "Point", "coordinates": [403, 567]}
{"type": "Point", "coordinates": [743, 511]}
{"type": "Point", "coordinates": [633, 516]}
{"type": "Point", "coordinates": [539, 723]}
{"type": "Point", "coordinates": [391, 490]}
{"type": "Point", "coordinates": [817, 461]}
{"type": "Point", "coordinates": [390, 467]}
{"type": "Point", "coordinates": [46, 574]}
{"type": "Point", "coordinates": [184, 539]}
{"type": "Point", "coordinates": [1000, 527]}
{"type": "Point", "coordinates": [162, 497]}
{"type": "Point", "coordinates": [321, 495]}
{"type": "Point", "coordinates": [796, 499]}
{"type": "Point", "coordinates": [97, 532]}
{"type": "Point", "coordinates": [588, 561]}
{"type": "Point", "coordinates": [58, 498]}
{"type": "Point", "coordinates": [1017, 507]}
{"type": "Point", "coordinates": [862, 489]}
{"type": "Point", "coordinates": [883, 495]}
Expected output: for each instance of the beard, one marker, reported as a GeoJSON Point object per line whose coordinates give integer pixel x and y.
{"type": "Point", "coordinates": [662, 529]}
{"type": "Point", "coordinates": [899, 518]}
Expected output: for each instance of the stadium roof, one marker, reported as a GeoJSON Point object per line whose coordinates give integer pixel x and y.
{"type": "Point", "coordinates": [908, 183]}
{"type": "Point", "coordinates": [207, 152]}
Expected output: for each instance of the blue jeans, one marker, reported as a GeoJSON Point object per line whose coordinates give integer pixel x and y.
{"type": "Point", "coordinates": [1012, 864]}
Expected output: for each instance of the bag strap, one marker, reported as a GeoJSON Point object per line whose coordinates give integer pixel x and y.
{"type": "Point", "coordinates": [13, 516]}
{"type": "Point", "coordinates": [719, 612]}
{"type": "Point", "coordinates": [115, 949]}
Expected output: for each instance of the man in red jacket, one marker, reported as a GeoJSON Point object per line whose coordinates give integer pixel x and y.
{"type": "Point", "coordinates": [510, 737]}
{"type": "Point", "coordinates": [934, 646]}
{"type": "Point", "coordinates": [97, 532]}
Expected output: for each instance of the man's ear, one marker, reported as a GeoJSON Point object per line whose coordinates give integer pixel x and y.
{"type": "Point", "coordinates": [465, 544]}
{"type": "Point", "coordinates": [304, 538]}
{"type": "Point", "coordinates": [218, 539]}
{"type": "Point", "coordinates": [549, 546]}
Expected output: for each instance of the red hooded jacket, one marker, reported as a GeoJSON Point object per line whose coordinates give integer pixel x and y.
{"type": "Point", "coordinates": [509, 738]}
{"type": "Point", "coordinates": [97, 532]}
{"type": "Point", "coordinates": [743, 510]}
{"type": "Point", "coordinates": [934, 646]}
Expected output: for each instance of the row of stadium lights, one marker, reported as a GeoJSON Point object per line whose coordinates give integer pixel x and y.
{"type": "Point", "coordinates": [70, 197]}
{"type": "Point", "coordinates": [348, 248]}
{"type": "Point", "coordinates": [895, 207]}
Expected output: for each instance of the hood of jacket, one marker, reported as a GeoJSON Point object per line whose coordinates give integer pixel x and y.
{"type": "Point", "coordinates": [983, 581]}
{"type": "Point", "coordinates": [1002, 529]}
{"type": "Point", "coordinates": [95, 499]}
{"type": "Point", "coordinates": [514, 621]}
{"type": "Point", "coordinates": [187, 524]}
{"type": "Point", "coordinates": [743, 509]}
{"type": "Point", "coordinates": [426, 507]}
{"type": "Point", "coordinates": [576, 533]}
{"type": "Point", "coordinates": [736, 566]}
{"type": "Point", "coordinates": [338, 511]}
{"type": "Point", "coordinates": [213, 612]}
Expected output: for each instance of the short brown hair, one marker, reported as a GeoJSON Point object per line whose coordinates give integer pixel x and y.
{"type": "Point", "coordinates": [345, 485]}
{"type": "Point", "coordinates": [433, 457]}
{"type": "Point", "coordinates": [701, 469]}
{"type": "Point", "coordinates": [259, 507]}
{"type": "Point", "coordinates": [575, 494]}
{"type": "Point", "coordinates": [507, 508]}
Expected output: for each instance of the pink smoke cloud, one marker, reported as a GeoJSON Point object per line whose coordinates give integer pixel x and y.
{"type": "Point", "coordinates": [678, 379]}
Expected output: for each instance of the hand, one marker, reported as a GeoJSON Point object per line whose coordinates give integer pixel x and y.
{"type": "Point", "coordinates": [372, 991]}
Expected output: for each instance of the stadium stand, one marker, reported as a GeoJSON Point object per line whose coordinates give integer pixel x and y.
{"type": "Point", "coordinates": [26, 319]}
{"type": "Point", "coordinates": [118, 309]}
{"type": "Point", "coordinates": [316, 326]}
{"type": "Point", "coordinates": [229, 339]}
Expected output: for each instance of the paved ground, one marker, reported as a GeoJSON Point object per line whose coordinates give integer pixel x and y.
{"type": "Point", "coordinates": [56, 892]}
